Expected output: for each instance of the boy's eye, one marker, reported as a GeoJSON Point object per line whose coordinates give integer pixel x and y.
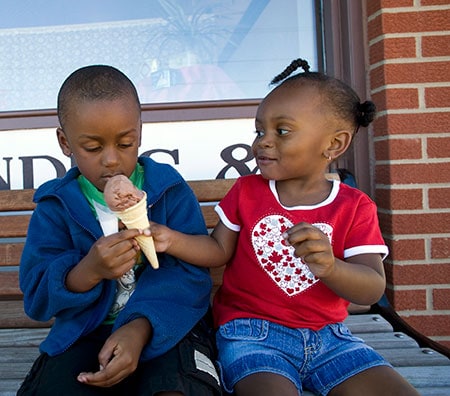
{"type": "Point", "coordinates": [92, 148]}
{"type": "Point", "coordinates": [259, 133]}
{"type": "Point", "coordinates": [125, 145]}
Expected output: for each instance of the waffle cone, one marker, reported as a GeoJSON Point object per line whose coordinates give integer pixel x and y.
{"type": "Point", "coordinates": [136, 217]}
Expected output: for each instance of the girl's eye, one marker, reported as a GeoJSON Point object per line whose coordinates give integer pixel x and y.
{"type": "Point", "coordinates": [125, 145]}
{"type": "Point", "coordinates": [282, 131]}
{"type": "Point", "coordinates": [259, 133]}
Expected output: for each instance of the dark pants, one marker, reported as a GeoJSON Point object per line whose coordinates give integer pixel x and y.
{"type": "Point", "coordinates": [183, 368]}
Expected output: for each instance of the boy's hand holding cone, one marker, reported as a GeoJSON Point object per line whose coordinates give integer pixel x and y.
{"type": "Point", "coordinates": [129, 204]}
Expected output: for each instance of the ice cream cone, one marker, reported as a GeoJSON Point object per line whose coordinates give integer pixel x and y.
{"type": "Point", "coordinates": [136, 217]}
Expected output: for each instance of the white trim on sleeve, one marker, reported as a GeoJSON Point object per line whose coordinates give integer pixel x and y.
{"type": "Point", "coordinates": [367, 249]}
{"type": "Point", "coordinates": [224, 219]}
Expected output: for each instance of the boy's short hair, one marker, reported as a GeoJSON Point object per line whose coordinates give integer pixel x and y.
{"type": "Point", "coordinates": [95, 82]}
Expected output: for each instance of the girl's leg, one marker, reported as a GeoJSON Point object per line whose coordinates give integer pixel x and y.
{"type": "Point", "coordinates": [265, 384]}
{"type": "Point", "coordinates": [380, 380]}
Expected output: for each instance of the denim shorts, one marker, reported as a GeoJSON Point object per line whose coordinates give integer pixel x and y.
{"type": "Point", "coordinates": [313, 360]}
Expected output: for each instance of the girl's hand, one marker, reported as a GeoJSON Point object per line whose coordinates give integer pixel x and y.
{"type": "Point", "coordinates": [162, 236]}
{"type": "Point", "coordinates": [313, 247]}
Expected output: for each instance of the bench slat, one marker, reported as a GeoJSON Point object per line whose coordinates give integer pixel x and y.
{"type": "Point", "coordinates": [14, 226]}
{"type": "Point", "coordinates": [392, 340]}
{"type": "Point", "coordinates": [10, 387]}
{"type": "Point", "coordinates": [13, 316]}
{"type": "Point", "coordinates": [210, 190]}
{"type": "Point", "coordinates": [427, 377]}
{"type": "Point", "coordinates": [403, 357]}
{"type": "Point", "coordinates": [368, 324]}
{"type": "Point", "coordinates": [9, 287]}
{"type": "Point", "coordinates": [10, 253]}
{"type": "Point", "coordinates": [12, 200]}
{"type": "Point", "coordinates": [22, 337]}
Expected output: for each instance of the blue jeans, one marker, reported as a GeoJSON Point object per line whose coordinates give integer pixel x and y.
{"type": "Point", "coordinates": [315, 360]}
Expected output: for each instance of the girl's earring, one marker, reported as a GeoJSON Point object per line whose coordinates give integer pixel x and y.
{"type": "Point", "coordinates": [327, 156]}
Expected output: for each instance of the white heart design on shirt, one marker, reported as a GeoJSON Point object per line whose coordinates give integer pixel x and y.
{"type": "Point", "coordinates": [277, 258]}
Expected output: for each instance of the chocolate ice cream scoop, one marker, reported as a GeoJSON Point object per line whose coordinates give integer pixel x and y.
{"type": "Point", "coordinates": [120, 193]}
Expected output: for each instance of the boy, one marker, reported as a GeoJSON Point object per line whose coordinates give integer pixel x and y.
{"type": "Point", "coordinates": [75, 255]}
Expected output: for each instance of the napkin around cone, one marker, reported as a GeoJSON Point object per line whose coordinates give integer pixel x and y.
{"type": "Point", "coordinates": [136, 217]}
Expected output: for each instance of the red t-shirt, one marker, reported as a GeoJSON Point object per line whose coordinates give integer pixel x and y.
{"type": "Point", "coordinates": [264, 279]}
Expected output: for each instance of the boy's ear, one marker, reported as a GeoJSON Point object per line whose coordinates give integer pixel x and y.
{"type": "Point", "coordinates": [63, 142]}
{"type": "Point", "coordinates": [340, 143]}
{"type": "Point", "coordinates": [140, 134]}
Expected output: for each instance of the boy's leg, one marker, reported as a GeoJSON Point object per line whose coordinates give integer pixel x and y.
{"type": "Point", "coordinates": [58, 375]}
{"type": "Point", "coordinates": [381, 380]}
{"type": "Point", "coordinates": [188, 368]}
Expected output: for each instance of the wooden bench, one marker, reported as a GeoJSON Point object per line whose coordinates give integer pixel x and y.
{"type": "Point", "coordinates": [423, 363]}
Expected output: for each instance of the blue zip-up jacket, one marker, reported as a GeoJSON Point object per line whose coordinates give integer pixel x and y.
{"type": "Point", "coordinates": [61, 232]}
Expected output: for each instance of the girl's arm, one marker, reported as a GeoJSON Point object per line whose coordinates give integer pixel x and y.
{"type": "Point", "coordinates": [360, 279]}
{"type": "Point", "coordinates": [202, 250]}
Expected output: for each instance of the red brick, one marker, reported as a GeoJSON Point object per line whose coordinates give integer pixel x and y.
{"type": "Point", "coordinates": [407, 98]}
{"type": "Point", "coordinates": [438, 147]}
{"type": "Point", "coordinates": [441, 299]}
{"type": "Point", "coordinates": [409, 300]}
{"type": "Point", "coordinates": [437, 96]}
{"type": "Point", "coordinates": [435, 45]}
{"type": "Point", "coordinates": [375, 5]}
{"type": "Point", "coordinates": [417, 223]}
{"type": "Point", "coordinates": [420, 123]}
{"type": "Point", "coordinates": [406, 249]}
{"type": "Point", "coordinates": [425, 173]}
{"type": "Point", "coordinates": [395, 199]}
{"type": "Point", "coordinates": [407, 73]}
{"type": "Point", "coordinates": [420, 21]}
{"type": "Point", "coordinates": [438, 198]}
{"type": "Point", "coordinates": [375, 28]}
{"type": "Point", "coordinates": [392, 48]}
{"type": "Point", "coordinates": [417, 274]}
{"type": "Point", "coordinates": [394, 149]}
{"type": "Point", "coordinates": [440, 249]}
{"type": "Point", "coordinates": [430, 325]}
{"type": "Point", "coordinates": [433, 2]}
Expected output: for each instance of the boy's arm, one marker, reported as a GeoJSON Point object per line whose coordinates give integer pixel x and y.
{"type": "Point", "coordinates": [109, 258]}
{"type": "Point", "coordinates": [202, 250]}
{"type": "Point", "coordinates": [120, 354]}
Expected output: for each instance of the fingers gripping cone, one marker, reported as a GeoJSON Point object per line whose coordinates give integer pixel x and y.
{"type": "Point", "coordinates": [136, 217]}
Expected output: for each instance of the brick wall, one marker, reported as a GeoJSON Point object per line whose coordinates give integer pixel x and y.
{"type": "Point", "coordinates": [409, 56]}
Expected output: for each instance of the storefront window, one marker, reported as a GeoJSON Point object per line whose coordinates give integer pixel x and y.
{"type": "Point", "coordinates": [173, 50]}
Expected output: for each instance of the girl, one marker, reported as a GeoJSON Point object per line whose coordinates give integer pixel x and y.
{"type": "Point", "coordinates": [298, 248]}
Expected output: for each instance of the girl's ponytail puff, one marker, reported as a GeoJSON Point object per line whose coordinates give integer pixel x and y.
{"type": "Point", "coordinates": [365, 113]}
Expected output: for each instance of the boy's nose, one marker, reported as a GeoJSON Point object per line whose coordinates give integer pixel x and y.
{"type": "Point", "coordinates": [110, 157]}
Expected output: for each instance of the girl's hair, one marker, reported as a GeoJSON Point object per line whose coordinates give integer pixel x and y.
{"type": "Point", "coordinates": [341, 99]}
{"type": "Point", "coordinates": [96, 82]}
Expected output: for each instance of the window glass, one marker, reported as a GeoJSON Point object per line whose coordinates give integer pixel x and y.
{"type": "Point", "coordinates": [173, 50]}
